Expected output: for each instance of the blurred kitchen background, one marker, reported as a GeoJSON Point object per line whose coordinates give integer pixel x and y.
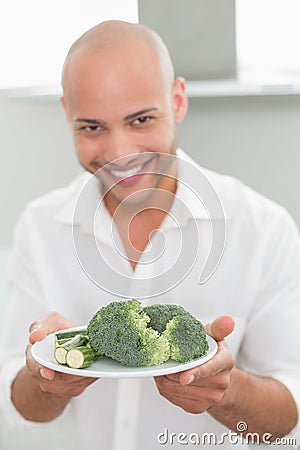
{"type": "Point", "coordinates": [242, 65]}
{"type": "Point", "coordinates": [241, 60]}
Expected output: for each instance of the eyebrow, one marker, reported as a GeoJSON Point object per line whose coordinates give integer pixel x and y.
{"type": "Point", "coordinates": [90, 121]}
{"type": "Point", "coordinates": [128, 117]}
{"type": "Point", "coordinates": [139, 113]}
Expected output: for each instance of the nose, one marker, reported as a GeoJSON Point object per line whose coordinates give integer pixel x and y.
{"type": "Point", "coordinates": [119, 145]}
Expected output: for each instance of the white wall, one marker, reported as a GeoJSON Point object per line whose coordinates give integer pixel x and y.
{"type": "Point", "coordinates": [254, 138]}
{"type": "Point", "coordinates": [35, 35]}
{"type": "Point", "coordinates": [36, 155]}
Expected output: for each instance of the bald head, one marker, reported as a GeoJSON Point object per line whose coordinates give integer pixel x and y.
{"type": "Point", "coordinates": [120, 97]}
{"type": "Point", "coordinates": [112, 37]}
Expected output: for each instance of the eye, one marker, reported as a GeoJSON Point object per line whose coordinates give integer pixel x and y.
{"type": "Point", "coordinates": [142, 120]}
{"type": "Point", "coordinates": [91, 128]}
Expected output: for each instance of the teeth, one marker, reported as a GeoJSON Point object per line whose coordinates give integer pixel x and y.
{"type": "Point", "coordinates": [126, 173]}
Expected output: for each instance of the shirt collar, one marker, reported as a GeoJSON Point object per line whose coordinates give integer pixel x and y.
{"type": "Point", "coordinates": [196, 196]}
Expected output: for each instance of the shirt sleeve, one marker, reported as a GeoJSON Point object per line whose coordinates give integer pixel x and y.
{"type": "Point", "coordinates": [271, 343]}
{"type": "Point", "coordinates": [25, 305]}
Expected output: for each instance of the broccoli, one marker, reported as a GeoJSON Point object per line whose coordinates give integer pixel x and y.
{"type": "Point", "coordinates": [187, 338]}
{"type": "Point", "coordinates": [161, 314]}
{"type": "Point", "coordinates": [119, 331]}
{"type": "Point", "coordinates": [137, 336]}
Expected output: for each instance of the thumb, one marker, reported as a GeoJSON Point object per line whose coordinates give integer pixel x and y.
{"type": "Point", "coordinates": [220, 328]}
{"type": "Point", "coordinates": [50, 323]}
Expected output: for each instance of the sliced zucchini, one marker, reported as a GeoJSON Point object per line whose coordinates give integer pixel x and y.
{"type": "Point", "coordinates": [61, 342]}
{"type": "Point", "coordinates": [64, 345]}
{"type": "Point", "coordinates": [77, 341]}
{"type": "Point", "coordinates": [60, 354]}
{"type": "Point", "coordinates": [80, 357]}
{"type": "Point", "coordinates": [68, 334]}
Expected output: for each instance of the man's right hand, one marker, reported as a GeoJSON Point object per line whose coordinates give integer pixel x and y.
{"type": "Point", "coordinates": [50, 390]}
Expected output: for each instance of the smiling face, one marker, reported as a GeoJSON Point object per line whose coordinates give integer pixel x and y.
{"type": "Point", "coordinates": [123, 108]}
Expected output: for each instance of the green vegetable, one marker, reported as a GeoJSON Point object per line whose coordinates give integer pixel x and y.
{"type": "Point", "coordinates": [64, 345]}
{"type": "Point", "coordinates": [60, 342]}
{"type": "Point", "coordinates": [77, 341]}
{"type": "Point", "coordinates": [68, 334]}
{"type": "Point", "coordinates": [134, 336]}
{"type": "Point", "coordinates": [80, 357]}
{"type": "Point", "coordinates": [119, 331]}
{"type": "Point", "coordinates": [161, 314]}
{"type": "Point", "coordinates": [60, 355]}
{"type": "Point", "coordinates": [187, 338]}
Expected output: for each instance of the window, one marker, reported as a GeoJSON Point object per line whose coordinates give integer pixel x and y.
{"type": "Point", "coordinates": [268, 40]}
{"type": "Point", "coordinates": [36, 35]}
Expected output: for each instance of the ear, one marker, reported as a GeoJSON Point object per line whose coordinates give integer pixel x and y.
{"type": "Point", "coordinates": [180, 100]}
{"type": "Point", "coordinates": [66, 109]}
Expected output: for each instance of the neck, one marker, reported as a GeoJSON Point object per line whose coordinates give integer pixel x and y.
{"type": "Point", "coordinates": [137, 222]}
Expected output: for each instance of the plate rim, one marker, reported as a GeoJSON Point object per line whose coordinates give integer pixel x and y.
{"type": "Point", "coordinates": [124, 372]}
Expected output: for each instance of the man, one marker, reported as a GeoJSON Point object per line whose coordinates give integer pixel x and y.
{"type": "Point", "coordinates": [123, 102]}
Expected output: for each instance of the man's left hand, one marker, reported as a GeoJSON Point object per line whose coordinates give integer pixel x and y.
{"type": "Point", "coordinates": [196, 390]}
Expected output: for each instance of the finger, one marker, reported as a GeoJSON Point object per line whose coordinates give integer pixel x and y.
{"type": "Point", "coordinates": [190, 405]}
{"type": "Point", "coordinates": [173, 377]}
{"type": "Point", "coordinates": [41, 372]}
{"type": "Point", "coordinates": [66, 389]}
{"type": "Point", "coordinates": [220, 328]}
{"type": "Point", "coordinates": [46, 373]}
{"type": "Point", "coordinates": [218, 382]}
{"type": "Point", "coordinates": [169, 388]}
{"type": "Point", "coordinates": [68, 378]}
{"type": "Point", "coordinates": [37, 370]}
{"type": "Point", "coordinates": [222, 361]}
{"type": "Point", "coordinates": [49, 323]}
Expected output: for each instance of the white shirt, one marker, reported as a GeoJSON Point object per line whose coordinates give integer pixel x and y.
{"type": "Point", "coordinates": [257, 282]}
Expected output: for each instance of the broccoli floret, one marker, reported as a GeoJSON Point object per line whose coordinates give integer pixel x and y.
{"type": "Point", "coordinates": [119, 331]}
{"type": "Point", "coordinates": [187, 338]}
{"type": "Point", "coordinates": [160, 315]}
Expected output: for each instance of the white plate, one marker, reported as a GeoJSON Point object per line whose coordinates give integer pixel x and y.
{"type": "Point", "coordinates": [43, 353]}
